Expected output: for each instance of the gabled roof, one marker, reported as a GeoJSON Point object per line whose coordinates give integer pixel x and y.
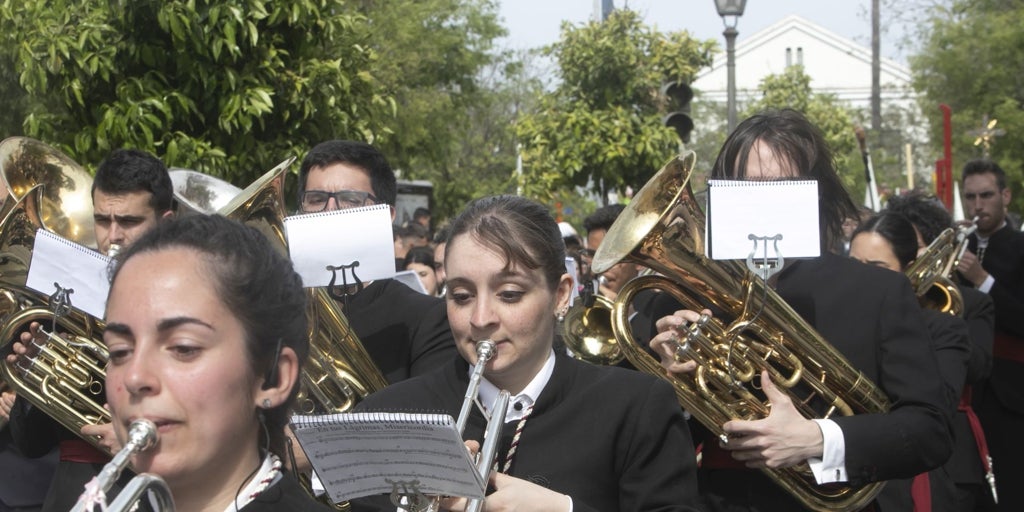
{"type": "Point", "coordinates": [821, 34]}
{"type": "Point", "coordinates": [835, 64]}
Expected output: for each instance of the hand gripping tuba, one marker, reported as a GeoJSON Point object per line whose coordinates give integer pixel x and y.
{"type": "Point", "coordinates": [339, 371]}
{"type": "Point", "coordinates": [663, 228]}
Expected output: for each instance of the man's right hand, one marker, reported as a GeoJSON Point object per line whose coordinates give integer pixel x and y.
{"type": "Point", "coordinates": [670, 330]}
{"type": "Point", "coordinates": [24, 346]}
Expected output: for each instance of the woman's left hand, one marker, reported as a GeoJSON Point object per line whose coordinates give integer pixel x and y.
{"type": "Point", "coordinates": [516, 495]}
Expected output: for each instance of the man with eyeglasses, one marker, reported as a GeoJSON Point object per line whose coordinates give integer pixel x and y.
{"type": "Point", "coordinates": [405, 332]}
{"type": "Point", "coordinates": [994, 264]}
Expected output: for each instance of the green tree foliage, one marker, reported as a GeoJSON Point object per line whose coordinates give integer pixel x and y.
{"type": "Point", "coordinates": [971, 60]}
{"type": "Point", "coordinates": [437, 59]}
{"type": "Point", "coordinates": [227, 87]}
{"type": "Point", "coordinates": [792, 89]}
{"type": "Point", "coordinates": [602, 124]}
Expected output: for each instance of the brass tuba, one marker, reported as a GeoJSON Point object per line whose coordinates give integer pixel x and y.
{"type": "Point", "coordinates": [339, 371]}
{"type": "Point", "coordinates": [588, 331]}
{"type": "Point", "coordinates": [48, 190]}
{"type": "Point", "coordinates": [663, 229]}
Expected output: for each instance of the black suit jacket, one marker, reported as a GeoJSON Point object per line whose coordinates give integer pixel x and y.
{"type": "Point", "coordinates": [405, 332]}
{"type": "Point", "coordinates": [1004, 261]}
{"type": "Point", "coordinates": [872, 317]}
{"type": "Point", "coordinates": [610, 438]}
{"type": "Point", "coordinates": [284, 496]}
{"type": "Point", "coordinates": [25, 479]}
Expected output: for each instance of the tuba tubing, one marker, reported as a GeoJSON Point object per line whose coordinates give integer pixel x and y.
{"type": "Point", "coordinates": [663, 229]}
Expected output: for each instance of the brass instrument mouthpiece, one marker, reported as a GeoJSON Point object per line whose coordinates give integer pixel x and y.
{"type": "Point", "coordinates": [142, 433]}
{"type": "Point", "coordinates": [113, 250]}
{"type": "Point", "coordinates": [484, 350]}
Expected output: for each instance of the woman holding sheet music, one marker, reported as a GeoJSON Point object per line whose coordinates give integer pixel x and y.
{"type": "Point", "coordinates": [577, 437]}
{"type": "Point", "coordinates": [206, 329]}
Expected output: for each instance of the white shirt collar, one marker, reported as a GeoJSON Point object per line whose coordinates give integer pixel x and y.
{"type": "Point", "coordinates": [488, 392]}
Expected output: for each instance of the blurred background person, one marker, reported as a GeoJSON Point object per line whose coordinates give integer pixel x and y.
{"type": "Point", "coordinates": [421, 261]}
{"type": "Point", "coordinates": [994, 264]}
{"type": "Point", "coordinates": [888, 240]}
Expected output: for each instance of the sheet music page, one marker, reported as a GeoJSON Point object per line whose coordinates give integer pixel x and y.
{"type": "Point", "coordinates": [410, 279]}
{"type": "Point", "coordinates": [573, 271]}
{"type": "Point", "coordinates": [336, 238]}
{"type": "Point", "coordinates": [362, 454]}
{"type": "Point", "coordinates": [61, 261]}
{"type": "Point", "coordinates": [738, 209]}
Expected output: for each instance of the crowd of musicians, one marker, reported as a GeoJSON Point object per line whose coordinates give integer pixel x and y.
{"type": "Point", "coordinates": [207, 335]}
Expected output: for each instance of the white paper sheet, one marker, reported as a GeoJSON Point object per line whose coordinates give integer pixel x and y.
{"type": "Point", "coordinates": [738, 209]}
{"type": "Point", "coordinates": [341, 237]}
{"type": "Point", "coordinates": [74, 266]}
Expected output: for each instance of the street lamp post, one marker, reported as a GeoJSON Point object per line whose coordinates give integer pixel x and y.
{"type": "Point", "coordinates": [731, 10]}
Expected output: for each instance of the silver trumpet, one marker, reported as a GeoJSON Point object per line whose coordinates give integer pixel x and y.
{"type": "Point", "coordinates": [485, 350]}
{"type": "Point", "coordinates": [141, 437]}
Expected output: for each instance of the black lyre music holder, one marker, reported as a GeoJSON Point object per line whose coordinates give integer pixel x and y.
{"type": "Point", "coordinates": [344, 294]}
{"type": "Point", "coordinates": [407, 496]}
{"type": "Point", "coordinates": [60, 305]}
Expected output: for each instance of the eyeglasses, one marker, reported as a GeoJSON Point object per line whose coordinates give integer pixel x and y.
{"type": "Point", "coordinates": [316, 200]}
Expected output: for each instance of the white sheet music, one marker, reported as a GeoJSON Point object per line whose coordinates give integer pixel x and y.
{"type": "Point", "coordinates": [360, 454]}
{"type": "Point", "coordinates": [738, 209]}
{"type": "Point", "coordinates": [341, 237]}
{"type": "Point", "coordinates": [61, 261]}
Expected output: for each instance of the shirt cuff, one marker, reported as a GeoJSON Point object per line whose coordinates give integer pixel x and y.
{"type": "Point", "coordinates": [831, 467]}
{"type": "Point", "coordinates": [986, 285]}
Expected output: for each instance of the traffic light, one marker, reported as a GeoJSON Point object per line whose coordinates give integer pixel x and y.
{"type": "Point", "coordinates": [677, 98]}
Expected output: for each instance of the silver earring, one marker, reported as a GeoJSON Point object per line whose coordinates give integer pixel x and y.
{"type": "Point", "coordinates": [266, 403]}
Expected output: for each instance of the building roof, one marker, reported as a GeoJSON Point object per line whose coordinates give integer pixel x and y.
{"type": "Point", "coordinates": [835, 64]}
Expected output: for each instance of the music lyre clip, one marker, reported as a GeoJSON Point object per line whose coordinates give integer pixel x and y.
{"type": "Point", "coordinates": [331, 288]}
{"type": "Point", "coordinates": [407, 496]}
{"type": "Point", "coordinates": [60, 303]}
{"type": "Point", "coordinates": [765, 268]}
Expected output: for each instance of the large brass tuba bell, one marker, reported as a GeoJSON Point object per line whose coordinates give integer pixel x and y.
{"type": "Point", "coordinates": [65, 206]}
{"type": "Point", "coordinates": [339, 371]}
{"type": "Point", "coordinates": [663, 228]}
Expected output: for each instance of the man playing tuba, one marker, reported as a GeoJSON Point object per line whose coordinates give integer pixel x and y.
{"type": "Point", "coordinates": [869, 315]}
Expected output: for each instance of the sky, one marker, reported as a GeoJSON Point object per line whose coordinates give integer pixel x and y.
{"type": "Point", "coordinates": [533, 23]}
